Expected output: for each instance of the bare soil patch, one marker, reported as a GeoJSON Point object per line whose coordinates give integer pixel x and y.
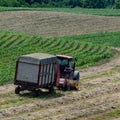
{"type": "Point", "coordinates": [56, 23]}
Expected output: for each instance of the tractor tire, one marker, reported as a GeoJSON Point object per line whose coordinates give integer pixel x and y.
{"type": "Point", "coordinates": [17, 90]}
{"type": "Point", "coordinates": [51, 89]}
{"type": "Point", "coordinates": [76, 75]}
{"type": "Point", "coordinates": [66, 86]}
{"type": "Point", "coordinates": [36, 93]}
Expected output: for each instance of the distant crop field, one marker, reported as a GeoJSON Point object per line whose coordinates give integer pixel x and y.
{"type": "Point", "coordinates": [56, 24]}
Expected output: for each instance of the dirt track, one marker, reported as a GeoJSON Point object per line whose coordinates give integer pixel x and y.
{"type": "Point", "coordinates": [56, 23]}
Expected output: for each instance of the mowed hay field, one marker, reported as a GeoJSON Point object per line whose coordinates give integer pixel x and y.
{"type": "Point", "coordinates": [56, 23]}
{"type": "Point", "coordinates": [98, 97]}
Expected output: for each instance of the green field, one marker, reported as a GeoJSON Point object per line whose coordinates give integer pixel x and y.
{"type": "Point", "coordinates": [107, 38]}
{"type": "Point", "coordinates": [103, 12]}
{"type": "Point", "coordinates": [99, 94]}
{"type": "Point", "coordinates": [109, 115]}
{"type": "Point", "coordinates": [88, 49]}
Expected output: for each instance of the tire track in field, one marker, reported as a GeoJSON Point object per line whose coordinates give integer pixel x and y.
{"type": "Point", "coordinates": [104, 67]}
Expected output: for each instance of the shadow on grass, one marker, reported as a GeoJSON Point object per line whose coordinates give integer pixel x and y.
{"type": "Point", "coordinates": [42, 94]}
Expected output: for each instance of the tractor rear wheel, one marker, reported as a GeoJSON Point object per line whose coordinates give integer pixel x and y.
{"type": "Point", "coordinates": [76, 75]}
{"type": "Point", "coordinates": [51, 89]}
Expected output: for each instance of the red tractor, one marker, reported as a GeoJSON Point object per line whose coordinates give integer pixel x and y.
{"type": "Point", "coordinates": [40, 70]}
{"type": "Point", "coordinates": [69, 77]}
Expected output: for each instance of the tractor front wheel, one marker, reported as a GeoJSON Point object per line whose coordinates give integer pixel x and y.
{"type": "Point", "coordinates": [76, 75]}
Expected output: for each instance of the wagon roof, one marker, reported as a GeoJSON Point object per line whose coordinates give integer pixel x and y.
{"type": "Point", "coordinates": [38, 58]}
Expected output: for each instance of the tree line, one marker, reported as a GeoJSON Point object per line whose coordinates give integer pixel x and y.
{"type": "Point", "coordinates": [62, 3]}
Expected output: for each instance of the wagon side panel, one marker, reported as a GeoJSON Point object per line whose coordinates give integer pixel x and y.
{"type": "Point", "coordinates": [47, 75]}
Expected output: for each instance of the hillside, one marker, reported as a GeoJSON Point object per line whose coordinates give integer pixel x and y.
{"type": "Point", "coordinates": [56, 23]}
{"type": "Point", "coordinates": [98, 97]}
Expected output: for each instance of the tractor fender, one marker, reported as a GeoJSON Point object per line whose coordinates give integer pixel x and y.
{"type": "Point", "coordinates": [76, 75]}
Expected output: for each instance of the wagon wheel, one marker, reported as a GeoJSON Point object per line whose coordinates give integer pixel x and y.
{"type": "Point", "coordinates": [36, 93]}
{"type": "Point", "coordinates": [17, 90]}
{"type": "Point", "coordinates": [51, 89]}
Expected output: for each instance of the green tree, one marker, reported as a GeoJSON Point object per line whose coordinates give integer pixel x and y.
{"type": "Point", "coordinates": [117, 4]}
{"type": "Point", "coordinates": [12, 3]}
{"type": "Point", "coordinates": [74, 3]}
{"type": "Point", "coordinates": [3, 3]}
{"type": "Point", "coordinates": [93, 3]}
{"type": "Point", "coordinates": [61, 3]}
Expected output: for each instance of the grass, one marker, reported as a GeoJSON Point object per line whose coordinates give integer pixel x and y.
{"type": "Point", "coordinates": [108, 73]}
{"type": "Point", "coordinates": [105, 38]}
{"type": "Point", "coordinates": [13, 45]}
{"type": "Point", "coordinates": [77, 10]}
{"type": "Point", "coordinates": [114, 114]}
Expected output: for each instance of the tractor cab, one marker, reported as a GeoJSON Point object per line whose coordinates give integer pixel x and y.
{"type": "Point", "coordinates": [67, 66]}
